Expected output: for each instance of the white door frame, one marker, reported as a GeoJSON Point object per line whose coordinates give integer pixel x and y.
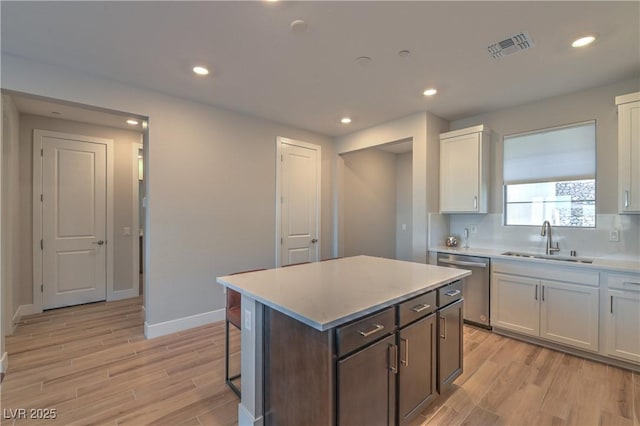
{"type": "Point", "coordinates": [38, 135]}
{"type": "Point", "coordinates": [279, 141]}
{"type": "Point", "coordinates": [135, 220]}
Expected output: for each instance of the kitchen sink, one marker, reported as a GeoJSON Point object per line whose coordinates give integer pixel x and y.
{"type": "Point", "coordinates": [547, 257]}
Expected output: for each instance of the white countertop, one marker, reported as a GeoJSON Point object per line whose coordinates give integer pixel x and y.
{"type": "Point", "coordinates": [327, 294]}
{"type": "Point", "coordinates": [602, 264]}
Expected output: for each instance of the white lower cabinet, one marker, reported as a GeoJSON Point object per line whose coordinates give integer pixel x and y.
{"type": "Point", "coordinates": [560, 311]}
{"type": "Point", "coordinates": [569, 314]}
{"type": "Point", "coordinates": [623, 316]}
{"type": "Point", "coordinates": [515, 304]}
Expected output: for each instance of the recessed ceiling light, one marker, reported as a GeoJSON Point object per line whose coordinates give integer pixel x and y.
{"type": "Point", "coordinates": [345, 120]}
{"type": "Point", "coordinates": [364, 61]}
{"type": "Point", "coordinates": [430, 92]}
{"type": "Point", "coordinates": [583, 41]}
{"type": "Point", "coordinates": [200, 70]}
{"type": "Point", "coordinates": [132, 122]}
{"type": "Point", "coordinates": [299, 26]}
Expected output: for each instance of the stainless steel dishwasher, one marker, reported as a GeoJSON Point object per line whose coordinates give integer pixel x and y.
{"type": "Point", "coordinates": [475, 287]}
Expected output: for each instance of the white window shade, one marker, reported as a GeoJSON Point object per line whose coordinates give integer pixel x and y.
{"type": "Point", "coordinates": [551, 155]}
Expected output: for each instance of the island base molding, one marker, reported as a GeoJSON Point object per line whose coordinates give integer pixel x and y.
{"type": "Point", "coordinates": [572, 351]}
{"type": "Point", "coordinates": [245, 418]}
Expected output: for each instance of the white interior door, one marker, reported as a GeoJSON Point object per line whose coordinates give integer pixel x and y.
{"type": "Point", "coordinates": [74, 210]}
{"type": "Point", "coordinates": [300, 202]}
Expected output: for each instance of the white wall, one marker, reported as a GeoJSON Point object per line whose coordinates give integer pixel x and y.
{"type": "Point", "coordinates": [404, 205]}
{"type": "Point", "coordinates": [10, 213]}
{"type": "Point", "coordinates": [210, 178]}
{"type": "Point", "coordinates": [370, 203]}
{"type": "Point", "coordinates": [123, 196]}
{"type": "Point", "coordinates": [8, 221]}
{"type": "Point", "coordinates": [422, 129]}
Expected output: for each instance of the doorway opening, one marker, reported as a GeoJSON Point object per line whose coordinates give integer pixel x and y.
{"type": "Point", "coordinates": [129, 133]}
{"type": "Point", "coordinates": [377, 201]}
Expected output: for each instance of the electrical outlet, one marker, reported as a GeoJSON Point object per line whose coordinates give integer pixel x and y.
{"type": "Point", "coordinates": [614, 236]}
{"type": "Point", "coordinates": [473, 229]}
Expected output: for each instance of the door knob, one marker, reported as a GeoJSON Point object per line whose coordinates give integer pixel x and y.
{"type": "Point", "coordinates": [315, 240]}
{"type": "Point", "coordinates": [100, 242]}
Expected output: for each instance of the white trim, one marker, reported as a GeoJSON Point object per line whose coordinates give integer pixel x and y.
{"type": "Point", "coordinates": [4, 363]}
{"type": "Point", "coordinates": [180, 324]}
{"type": "Point", "coordinates": [22, 311]}
{"type": "Point", "coordinates": [245, 418]}
{"type": "Point", "coordinates": [135, 224]}
{"type": "Point", "coordinates": [37, 212]}
{"type": "Point", "coordinates": [279, 141]}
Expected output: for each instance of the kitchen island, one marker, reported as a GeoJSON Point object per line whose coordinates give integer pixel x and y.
{"type": "Point", "coordinates": [301, 326]}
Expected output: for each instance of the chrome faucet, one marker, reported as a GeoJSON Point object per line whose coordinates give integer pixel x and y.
{"type": "Point", "coordinates": [546, 232]}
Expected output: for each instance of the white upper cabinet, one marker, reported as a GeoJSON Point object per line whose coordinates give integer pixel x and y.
{"type": "Point", "coordinates": [464, 170]}
{"type": "Point", "coordinates": [629, 152]}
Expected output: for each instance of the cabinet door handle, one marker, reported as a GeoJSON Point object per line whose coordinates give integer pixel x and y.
{"type": "Point", "coordinates": [393, 365]}
{"type": "Point", "coordinates": [536, 293]}
{"type": "Point", "coordinates": [475, 202]}
{"type": "Point", "coordinates": [543, 293]}
{"type": "Point", "coordinates": [405, 359]}
{"type": "Point", "coordinates": [420, 308]}
{"type": "Point", "coordinates": [630, 283]}
{"type": "Point", "coordinates": [375, 329]}
{"type": "Point", "coordinates": [444, 328]}
{"type": "Point", "coordinates": [626, 198]}
{"type": "Point", "coordinates": [452, 293]}
{"type": "Point", "coordinates": [611, 305]}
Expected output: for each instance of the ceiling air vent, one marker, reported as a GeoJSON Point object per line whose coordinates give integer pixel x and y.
{"type": "Point", "coordinates": [511, 45]}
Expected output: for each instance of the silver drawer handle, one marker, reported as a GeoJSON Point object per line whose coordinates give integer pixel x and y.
{"type": "Point", "coordinates": [100, 242]}
{"type": "Point", "coordinates": [376, 328]}
{"type": "Point", "coordinates": [394, 364]}
{"type": "Point", "coordinates": [420, 308]}
{"type": "Point", "coordinates": [626, 198]}
{"type": "Point", "coordinates": [630, 283]}
{"type": "Point", "coordinates": [452, 293]}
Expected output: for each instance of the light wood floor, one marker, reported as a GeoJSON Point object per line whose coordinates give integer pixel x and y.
{"type": "Point", "coordinates": [92, 364]}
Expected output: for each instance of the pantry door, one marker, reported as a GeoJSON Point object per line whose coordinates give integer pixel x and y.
{"type": "Point", "coordinates": [299, 200]}
{"type": "Point", "coordinates": [73, 205]}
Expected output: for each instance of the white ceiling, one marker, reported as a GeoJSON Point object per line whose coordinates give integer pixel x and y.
{"type": "Point", "coordinates": [310, 80]}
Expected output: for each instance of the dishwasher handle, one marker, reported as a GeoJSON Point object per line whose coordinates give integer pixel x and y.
{"type": "Point", "coordinates": [463, 263]}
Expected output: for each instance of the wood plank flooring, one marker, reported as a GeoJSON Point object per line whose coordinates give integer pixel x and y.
{"type": "Point", "coordinates": [92, 364]}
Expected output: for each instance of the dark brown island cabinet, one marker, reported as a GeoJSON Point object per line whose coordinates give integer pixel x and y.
{"type": "Point", "coordinates": [383, 369]}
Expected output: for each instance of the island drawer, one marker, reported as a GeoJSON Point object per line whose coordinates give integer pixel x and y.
{"type": "Point", "coordinates": [416, 308]}
{"type": "Point", "coordinates": [449, 293]}
{"type": "Point", "coordinates": [364, 331]}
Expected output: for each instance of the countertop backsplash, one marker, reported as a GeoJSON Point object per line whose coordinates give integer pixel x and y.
{"type": "Point", "coordinates": [491, 233]}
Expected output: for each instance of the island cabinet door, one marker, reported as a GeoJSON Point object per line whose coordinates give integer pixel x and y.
{"type": "Point", "coordinates": [417, 368]}
{"type": "Point", "coordinates": [449, 344]}
{"type": "Point", "coordinates": [367, 385]}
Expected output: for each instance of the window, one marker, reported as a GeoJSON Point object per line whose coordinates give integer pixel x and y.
{"type": "Point", "coordinates": [551, 175]}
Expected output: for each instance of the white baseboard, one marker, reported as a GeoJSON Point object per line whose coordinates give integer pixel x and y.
{"type": "Point", "coordinates": [123, 294]}
{"type": "Point", "coordinates": [22, 311]}
{"type": "Point", "coordinates": [180, 324]}
{"type": "Point", "coordinates": [4, 363]}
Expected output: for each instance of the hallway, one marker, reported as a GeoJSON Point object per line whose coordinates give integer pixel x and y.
{"type": "Point", "coordinates": [92, 364]}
